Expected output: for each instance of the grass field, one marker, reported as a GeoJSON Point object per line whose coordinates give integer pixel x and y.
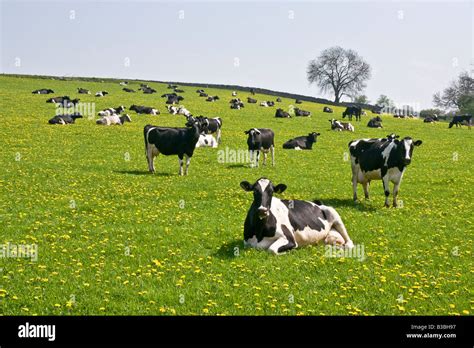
{"type": "Point", "coordinates": [115, 240]}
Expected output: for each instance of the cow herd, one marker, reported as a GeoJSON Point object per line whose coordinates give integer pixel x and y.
{"type": "Point", "coordinates": [272, 224]}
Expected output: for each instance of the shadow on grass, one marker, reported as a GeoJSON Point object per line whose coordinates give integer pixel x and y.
{"type": "Point", "coordinates": [228, 250]}
{"type": "Point", "coordinates": [238, 165]}
{"type": "Point", "coordinates": [338, 203]}
{"type": "Point", "coordinates": [141, 172]}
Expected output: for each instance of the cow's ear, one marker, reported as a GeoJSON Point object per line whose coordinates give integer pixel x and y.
{"type": "Point", "coordinates": [247, 132]}
{"type": "Point", "coordinates": [246, 186]}
{"type": "Point", "coordinates": [318, 133]}
{"type": "Point", "coordinates": [279, 188]}
{"type": "Point", "coordinates": [417, 143]}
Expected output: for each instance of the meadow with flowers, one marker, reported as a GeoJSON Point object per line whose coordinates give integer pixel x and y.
{"type": "Point", "coordinates": [113, 239]}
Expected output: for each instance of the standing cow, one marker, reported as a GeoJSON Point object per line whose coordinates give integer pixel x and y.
{"type": "Point", "coordinates": [261, 139]}
{"type": "Point", "coordinates": [383, 159]}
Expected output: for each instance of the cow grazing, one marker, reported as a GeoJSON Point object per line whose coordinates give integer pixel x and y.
{"type": "Point", "coordinates": [460, 120]}
{"type": "Point", "coordinates": [281, 113]}
{"type": "Point", "coordinates": [302, 143]}
{"type": "Point", "coordinates": [144, 110]}
{"type": "Point", "coordinates": [65, 119]}
{"type": "Point", "coordinates": [206, 140]}
{"type": "Point", "coordinates": [212, 98]}
{"type": "Point", "coordinates": [251, 100]}
{"type": "Point", "coordinates": [128, 90]}
{"type": "Point", "coordinates": [383, 159]}
{"type": "Point", "coordinates": [299, 112]}
{"type": "Point", "coordinates": [83, 91]}
{"type": "Point", "coordinates": [43, 91]}
{"type": "Point", "coordinates": [327, 109]}
{"type": "Point", "coordinates": [352, 111]}
{"type": "Point", "coordinates": [279, 225]}
{"type": "Point", "coordinates": [113, 119]}
{"type": "Point", "coordinates": [172, 141]}
{"type": "Point", "coordinates": [211, 126]}
{"type": "Point", "coordinates": [261, 139]}
{"type": "Point", "coordinates": [101, 94]}
{"type": "Point", "coordinates": [375, 122]}
{"type": "Point", "coordinates": [341, 126]}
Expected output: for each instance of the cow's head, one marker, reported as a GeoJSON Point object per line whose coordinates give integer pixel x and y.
{"type": "Point", "coordinates": [263, 191]}
{"type": "Point", "coordinates": [313, 136]}
{"type": "Point", "coordinates": [254, 135]}
{"type": "Point", "coordinates": [405, 148]}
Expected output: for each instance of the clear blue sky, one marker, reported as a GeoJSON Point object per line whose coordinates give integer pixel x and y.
{"type": "Point", "coordinates": [414, 48]}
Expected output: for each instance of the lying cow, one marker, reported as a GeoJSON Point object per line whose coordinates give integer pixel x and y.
{"type": "Point", "coordinates": [251, 100]}
{"type": "Point", "coordinates": [113, 119]}
{"type": "Point", "coordinates": [83, 91]}
{"type": "Point", "coordinates": [299, 112]}
{"type": "Point", "coordinates": [279, 225]}
{"type": "Point", "coordinates": [101, 94]}
{"type": "Point", "coordinates": [341, 126]}
{"type": "Point", "coordinates": [261, 139]}
{"type": "Point", "coordinates": [297, 101]}
{"type": "Point", "coordinates": [236, 104]}
{"type": "Point", "coordinates": [144, 110]}
{"type": "Point", "coordinates": [212, 98]}
{"type": "Point", "coordinates": [206, 140]}
{"type": "Point", "coordinates": [128, 90]}
{"type": "Point", "coordinates": [460, 120]}
{"type": "Point", "coordinates": [112, 111]}
{"type": "Point", "coordinates": [327, 109]}
{"type": "Point", "coordinates": [58, 100]}
{"type": "Point", "coordinates": [375, 122]}
{"type": "Point", "coordinates": [380, 159]}
{"type": "Point", "coordinates": [43, 91]}
{"type": "Point", "coordinates": [302, 143]}
{"type": "Point", "coordinates": [65, 119]}
{"type": "Point", "coordinates": [178, 110]}
{"type": "Point", "coordinates": [234, 94]}
{"type": "Point", "coordinates": [203, 94]}
{"type": "Point", "coordinates": [281, 113]}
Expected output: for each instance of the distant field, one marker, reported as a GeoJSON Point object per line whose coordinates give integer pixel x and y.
{"type": "Point", "coordinates": [114, 240]}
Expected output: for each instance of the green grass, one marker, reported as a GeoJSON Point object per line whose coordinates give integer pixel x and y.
{"type": "Point", "coordinates": [141, 244]}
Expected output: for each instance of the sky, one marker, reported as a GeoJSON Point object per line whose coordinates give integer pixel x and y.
{"type": "Point", "coordinates": [415, 48]}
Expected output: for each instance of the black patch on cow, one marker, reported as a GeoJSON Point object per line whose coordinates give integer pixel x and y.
{"type": "Point", "coordinates": [291, 240]}
{"type": "Point", "coordinates": [304, 214]}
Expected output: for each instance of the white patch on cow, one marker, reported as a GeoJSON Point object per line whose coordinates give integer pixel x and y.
{"type": "Point", "coordinates": [309, 236]}
{"type": "Point", "coordinates": [297, 148]}
{"type": "Point", "coordinates": [263, 184]}
{"type": "Point", "coordinates": [395, 175]}
{"type": "Point", "coordinates": [386, 152]}
{"type": "Point", "coordinates": [407, 143]}
{"type": "Point", "coordinates": [363, 177]}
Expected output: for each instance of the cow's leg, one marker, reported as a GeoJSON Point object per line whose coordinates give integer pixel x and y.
{"type": "Point", "coordinates": [339, 226]}
{"type": "Point", "coordinates": [218, 135]}
{"type": "Point", "coordinates": [188, 161]}
{"type": "Point", "coordinates": [386, 188]}
{"type": "Point", "coordinates": [251, 158]}
{"type": "Point", "coordinates": [180, 157]}
{"type": "Point", "coordinates": [281, 245]}
{"type": "Point", "coordinates": [366, 189]}
{"type": "Point", "coordinates": [272, 149]}
{"type": "Point", "coordinates": [257, 158]}
{"type": "Point", "coordinates": [334, 238]}
{"type": "Point", "coordinates": [264, 158]}
{"type": "Point", "coordinates": [150, 158]}
{"type": "Point", "coordinates": [354, 186]}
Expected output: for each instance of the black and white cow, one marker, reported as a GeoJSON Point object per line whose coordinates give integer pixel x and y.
{"type": "Point", "coordinates": [375, 122]}
{"type": "Point", "coordinates": [43, 91]}
{"type": "Point", "coordinates": [174, 99]}
{"type": "Point", "coordinates": [211, 126]}
{"type": "Point", "coordinates": [431, 119]}
{"type": "Point", "coordinates": [148, 90]}
{"type": "Point", "coordinates": [123, 83]}
{"type": "Point", "coordinates": [341, 126]}
{"type": "Point", "coordinates": [212, 98]}
{"type": "Point", "coordinates": [261, 139]}
{"type": "Point", "coordinates": [58, 100]}
{"type": "Point", "coordinates": [177, 90]}
{"type": "Point", "coordinates": [281, 113]}
{"type": "Point", "coordinates": [279, 225]}
{"type": "Point", "coordinates": [303, 142]}
{"type": "Point", "coordinates": [298, 101]}
{"type": "Point", "coordinates": [112, 111]}
{"type": "Point", "coordinates": [203, 94]}
{"type": "Point", "coordinates": [144, 110]}
{"type": "Point", "coordinates": [234, 94]}
{"type": "Point", "coordinates": [83, 91]}
{"type": "Point", "coordinates": [113, 119]}
{"type": "Point", "coordinates": [67, 103]}
{"type": "Point", "coordinates": [128, 90]}
{"type": "Point", "coordinates": [172, 141]}
{"type": "Point", "coordinates": [101, 94]}
{"type": "Point", "coordinates": [251, 100]}
{"type": "Point", "coordinates": [172, 86]}
{"type": "Point", "coordinates": [236, 104]}
{"type": "Point", "coordinates": [380, 159]}
{"type": "Point", "coordinates": [300, 112]}
{"type": "Point", "coordinates": [352, 111]}
{"type": "Point", "coordinates": [327, 109]}
{"type": "Point", "coordinates": [278, 100]}
{"type": "Point", "coordinates": [199, 91]}
{"type": "Point", "coordinates": [65, 119]}
{"type": "Point", "coordinates": [460, 120]}
{"type": "Point", "coordinates": [206, 140]}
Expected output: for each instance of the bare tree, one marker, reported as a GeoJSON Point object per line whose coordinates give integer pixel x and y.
{"type": "Point", "coordinates": [342, 71]}
{"type": "Point", "coordinates": [459, 95]}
